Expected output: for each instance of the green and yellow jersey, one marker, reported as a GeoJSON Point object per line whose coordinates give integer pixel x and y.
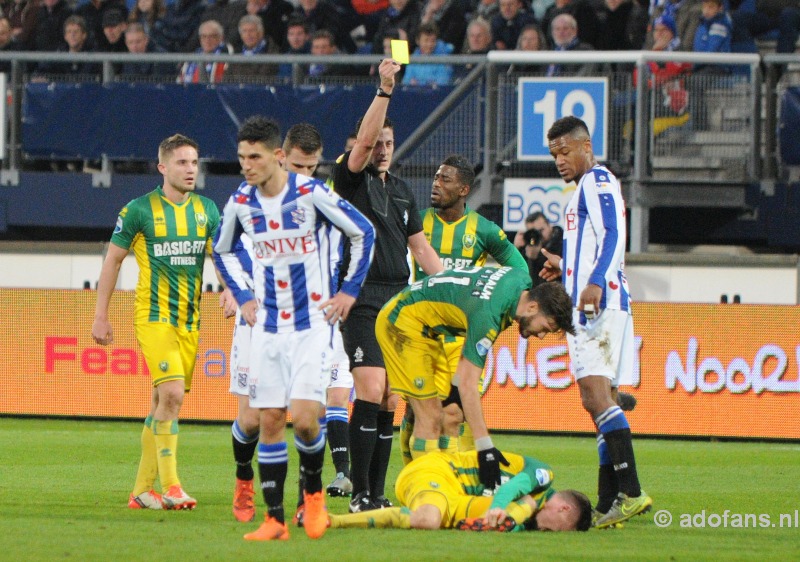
{"type": "Point", "coordinates": [467, 242]}
{"type": "Point", "coordinates": [476, 303]}
{"type": "Point", "coordinates": [170, 242]}
{"type": "Point", "coordinates": [523, 475]}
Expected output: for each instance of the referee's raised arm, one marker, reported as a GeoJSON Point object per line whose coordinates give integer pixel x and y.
{"type": "Point", "coordinates": [373, 119]}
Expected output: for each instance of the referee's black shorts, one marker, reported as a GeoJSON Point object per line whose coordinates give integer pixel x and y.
{"type": "Point", "coordinates": [358, 331]}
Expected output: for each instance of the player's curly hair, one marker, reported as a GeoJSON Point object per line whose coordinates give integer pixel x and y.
{"type": "Point", "coordinates": [555, 303]}
{"type": "Point", "coordinates": [569, 125]}
{"type": "Point", "coordinates": [465, 172]}
{"type": "Point", "coordinates": [260, 129]}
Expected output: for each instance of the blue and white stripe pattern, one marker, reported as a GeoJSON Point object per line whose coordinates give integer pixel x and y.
{"type": "Point", "coordinates": [273, 453]}
{"type": "Point", "coordinates": [291, 250]}
{"type": "Point", "coordinates": [612, 419]}
{"type": "Point", "coordinates": [333, 413]}
{"type": "Point", "coordinates": [594, 240]}
{"type": "Point", "coordinates": [315, 446]}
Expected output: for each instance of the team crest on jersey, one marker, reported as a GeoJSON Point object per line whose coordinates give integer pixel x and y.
{"type": "Point", "coordinates": [433, 484]}
{"type": "Point", "coordinates": [118, 227]}
{"type": "Point", "coordinates": [299, 216]}
{"type": "Point", "coordinates": [483, 346]}
{"type": "Point", "coordinates": [201, 218]}
{"type": "Point", "coordinates": [468, 240]}
{"type": "Point", "coordinates": [241, 379]}
{"type": "Point", "coordinates": [419, 382]}
{"type": "Point", "coordinates": [163, 366]}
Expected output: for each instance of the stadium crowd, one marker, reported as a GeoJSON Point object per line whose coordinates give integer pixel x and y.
{"type": "Point", "coordinates": [432, 27]}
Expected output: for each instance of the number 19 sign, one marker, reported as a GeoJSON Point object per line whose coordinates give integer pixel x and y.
{"type": "Point", "coordinates": [544, 100]}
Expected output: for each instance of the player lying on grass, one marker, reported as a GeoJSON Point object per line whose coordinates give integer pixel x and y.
{"type": "Point", "coordinates": [443, 491]}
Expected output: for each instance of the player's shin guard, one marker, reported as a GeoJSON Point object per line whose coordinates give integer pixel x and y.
{"type": "Point", "coordinates": [391, 517]}
{"type": "Point", "coordinates": [363, 435]}
{"type": "Point", "coordinates": [312, 455]}
{"type": "Point", "coordinates": [165, 435]}
{"type": "Point", "coordinates": [382, 454]}
{"type": "Point", "coordinates": [148, 463]}
{"type": "Point", "coordinates": [273, 462]}
{"type": "Point", "coordinates": [244, 447]}
{"type": "Point", "coordinates": [406, 432]}
{"type": "Point", "coordinates": [616, 432]}
{"type": "Point", "coordinates": [607, 485]}
{"type": "Point", "coordinates": [339, 439]}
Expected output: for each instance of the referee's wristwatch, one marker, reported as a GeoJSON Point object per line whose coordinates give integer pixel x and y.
{"type": "Point", "coordinates": [381, 94]}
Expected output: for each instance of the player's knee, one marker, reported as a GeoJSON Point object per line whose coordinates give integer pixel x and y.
{"type": "Point", "coordinates": [249, 420]}
{"type": "Point", "coordinates": [427, 517]}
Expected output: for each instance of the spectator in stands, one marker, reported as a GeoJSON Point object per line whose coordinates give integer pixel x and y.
{"type": "Point", "coordinates": [714, 33]}
{"type": "Point", "coordinates": [212, 42]}
{"type": "Point", "coordinates": [49, 34]}
{"type": "Point", "coordinates": [150, 14]}
{"type": "Point", "coordinates": [479, 37]}
{"type": "Point", "coordinates": [298, 42]}
{"type": "Point", "coordinates": [22, 16]}
{"type": "Point", "coordinates": [254, 42]}
{"type": "Point", "coordinates": [389, 36]}
{"type": "Point", "coordinates": [114, 26]}
{"type": "Point", "coordinates": [76, 38]}
{"type": "Point", "coordinates": [450, 16]}
{"type": "Point", "coordinates": [6, 44]}
{"type": "Point", "coordinates": [507, 25]}
{"type": "Point", "coordinates": [138, 42]}
{"type": "Point", "coordinates": [782, 16]}
{"type": "Point", "coordinates": [428, 43]}
{"type": "Point", "coordinates": [369, 14]}
{"type": "Point", "coordinates": [686, 15]}
{"type": "Point", "coordinates": [319, 15]}
{"type": "Point", "coordinates": [228, 13]}
{"type": "Point", "coordinates": [180, 25]}
{"type": "Point", "coordinates": [485, 9]}
{"type": "Point", "coordinates": [623, 24]}
{"type": "Point", "coordinates": [531, 38]}
{"type": "Point", "coordinates": [402, 16]}
{"type": "Point", "coordinates": [275, 14]}
{"type": "Point", "coordinates": [323, 43]}
{"type": "Point", "coordinates": [92, 12]}
{"type": "Point", "coordinates": [584, 13]}
{"type": "Point", "coordinates": [564, 33]}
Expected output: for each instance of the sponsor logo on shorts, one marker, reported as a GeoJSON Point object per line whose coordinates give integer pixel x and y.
{"type": "Point", "coordinates": [163, 366]}
{"type": "Point", "coordinates": [483, 346]}
{"type": "Point", "coordinates": [334, 374]}
{"type": "Point", "coordinates": [241, 379]}
{"type": "Point", "coordinates": [358, 356]}
{"type": "Point", "coordinates": [433, 484]}
{"type": "Point", "coordinates": [252, 392]}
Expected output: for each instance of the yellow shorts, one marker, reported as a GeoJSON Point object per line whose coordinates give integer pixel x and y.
{"type": "Point", "coordinates": [431, 480]}
{"type": "Point", "coordinates": [170, 352]}
{"type": "Point", "coordinates": [409, 357]}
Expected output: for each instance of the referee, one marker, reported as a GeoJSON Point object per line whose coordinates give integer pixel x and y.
{"type": "Point", "coordinates": [362, 177]}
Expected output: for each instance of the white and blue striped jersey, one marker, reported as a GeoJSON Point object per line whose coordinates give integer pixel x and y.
{"type": "Point", "coordinates": [594, 240]}
{"type": "Point", "coordinates": [291, 267]}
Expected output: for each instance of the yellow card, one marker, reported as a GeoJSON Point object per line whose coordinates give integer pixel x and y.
{"type": "Point", "coordinates": [400, 51]}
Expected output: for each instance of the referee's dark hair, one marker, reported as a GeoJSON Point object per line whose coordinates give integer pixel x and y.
{"type": "Point", "coordinates": [303, 136]}
{"type": "Point", "coordinates": [260, 129]}
{"type": "Point", "coordinates": [465, 172]}
{"type": "Point", "coordinates": [387, 124]}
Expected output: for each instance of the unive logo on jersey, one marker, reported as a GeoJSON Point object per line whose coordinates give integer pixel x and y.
{"type": "Point", "coordinates": [570, 220]}
{"type": "Point", "coordinates": [180, 252]}
{"type": "Point", "coordinates": [483, 346]}
{"type": "Point", "coordinates": [282, 247]}
{"type": "Point", "coordinates": [201, 219]}
{"type": "Point", "coordinates": [468, 240]}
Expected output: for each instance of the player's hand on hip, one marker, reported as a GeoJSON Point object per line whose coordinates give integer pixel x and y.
{"type": "Point", "coordinates": [249, 312]}
{"type": "Point", "coordinates": [337, 307]}
{"type": "Point", "coordinates": [590, 295]}
{"type": "Point", "coordinates": [552, 267]}
{"type": "Point", "coordinates": [102, 332]}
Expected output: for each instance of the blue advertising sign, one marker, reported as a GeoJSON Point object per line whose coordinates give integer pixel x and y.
{"type": "Point", "coordinates": [542, 101]}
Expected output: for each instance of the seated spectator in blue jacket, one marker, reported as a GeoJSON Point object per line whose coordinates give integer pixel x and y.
{"type": "Point", "coordinates": [76, 38]}
{"type": "Point", "coordinates": [428, 43]}
{"type": "Point", "coordinates": [782, 16]}
{"type": "Point", "coordinates": [714, 33]}
{"type": "Point", "coordinates": [139, 43]}
{"type": "Point", "coordinates": [507, 25]}
{"type": "Point", "coordinates": [298, 41]}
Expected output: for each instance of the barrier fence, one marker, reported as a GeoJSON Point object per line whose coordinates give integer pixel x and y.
{"type": "Point", "coordinates": [701, 370]}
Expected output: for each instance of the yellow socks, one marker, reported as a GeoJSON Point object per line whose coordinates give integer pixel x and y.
{"type": "Point", "coordinates": [421, 447]}
{"type": "Point", "coordinates": [448, 445]}
{"type": "Point", "coordinates": [148, 463]}
{"type": "Point", "coordinates": [165, 434]}
{"type": "Point", "coordinates": [391, 517]}
{"type": "Point", "coordinates": [406, 429]}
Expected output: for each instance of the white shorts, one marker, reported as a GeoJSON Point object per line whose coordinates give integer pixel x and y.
{"type": "Point", "coordinates": [286, 367]}
{"type": "Point", "coordinates": [240, 356]}
{"type": "Point", "coordinates": [603, 346]}
{"type": "Point", "coordinates": [341, 377]}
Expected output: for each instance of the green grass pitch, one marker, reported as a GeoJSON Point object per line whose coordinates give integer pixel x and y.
{"type": "Point", "coordinates": [64, 487]}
